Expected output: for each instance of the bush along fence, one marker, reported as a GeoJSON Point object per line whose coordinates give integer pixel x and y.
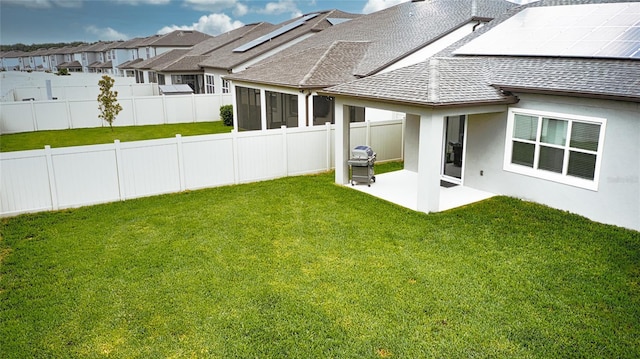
{"type": "Point", "coordinates": [58, 178]}
{"type": "Point", "coordinates": [136, 111]}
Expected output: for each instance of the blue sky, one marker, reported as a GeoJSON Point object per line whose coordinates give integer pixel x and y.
{"type": "Point", "coordinates": [44, 21]}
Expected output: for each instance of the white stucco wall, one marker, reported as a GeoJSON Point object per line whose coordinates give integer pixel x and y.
{"type": "Point", "coordinates": [617, 200]}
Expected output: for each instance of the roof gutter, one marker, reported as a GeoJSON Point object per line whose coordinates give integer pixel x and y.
{"type": "Point", "coordinates": [432, 105]}
{"type": "Point", "coordinates": [582, 94]}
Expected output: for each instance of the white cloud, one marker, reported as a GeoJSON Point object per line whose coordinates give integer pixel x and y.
{"type": "Point", "coordinates": [217, 6]}
{"type": "Point", "coordinates": [213, 24]}
{"type": "Point", "coordinates": [377, 5]}
{"type": "Point", "coordinates": [281, 7]}
{"type": "Point", "coordinates": [240, 10]}
{"type": "Point", "coordinates": [210, 5]}
{"type": "Point", "coordinates": [107, 33]}
{"type": "Point", "coordinates": [44, 4]}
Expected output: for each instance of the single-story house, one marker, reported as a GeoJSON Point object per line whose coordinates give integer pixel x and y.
{"type": "Point", "coordinates": [283, 89]}
{"type": "Point", "coordinates": [553, 117]}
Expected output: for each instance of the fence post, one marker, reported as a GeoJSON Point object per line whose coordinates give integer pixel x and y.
{"type": "Point", "coordinates": [194, 110]}
{"type": "Point", "coordinates": [52, 178]}
{"type": "Point", "coordinates": [234, 142]}
{"type": "Point", "coordinates": [402, 136]}
{"type": "Point", "coordinates": [368, 133]}
{"type": "Point", "coordinates": [164, 109]}
{"type": "Point", "coordinates": [33, 116]}
{"type": "Point", "coordinates": [135, 111]}
{"type": "Point", "coordinates": [120, 170]}
{"type": "Point", "coordinates": [327, 126]}
{"type": "Point", "coordinates": [180, 162]}
{"type": "Point", "coordinates": [69, 118]}
{"type": "Point", "coordinates": [285, 151]}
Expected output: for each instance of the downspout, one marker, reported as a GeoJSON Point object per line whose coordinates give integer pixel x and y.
{"type": "Point", "coordinates": [476, 25]}
{"type": "Point", "coordinates": [306, 104]}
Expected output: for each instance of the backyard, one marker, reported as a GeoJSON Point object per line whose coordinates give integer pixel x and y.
{"type": "Point", "coordinates": [91, 136]}
{"type": "Point", "coordinates": [300, 267]}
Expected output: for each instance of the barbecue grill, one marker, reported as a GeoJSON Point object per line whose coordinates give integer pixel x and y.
{"type": "Point", "coordinates": [361, 162]}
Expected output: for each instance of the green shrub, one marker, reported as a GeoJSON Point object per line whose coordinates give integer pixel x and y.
{"type": "Point", "coordinates": [62, 72]}
{"type": "Point", "coordinates": [226, 114]}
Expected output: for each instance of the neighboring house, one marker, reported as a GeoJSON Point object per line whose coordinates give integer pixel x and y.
{"type": "Point", "coordinates": [155, 47]}
{"type": "Point", "coordinates": [263, 41]}
{"type": "Point", "coordinates": [11, 60]}
{"type": "Point", "coordinates": [96, 55]}
{"type": "Point", "coordinates": [283, 90]}
{"type": "Point", "coordinates": [123, 53]}
{"type": "Point", "coordinates": [187, 68]}
{"type": "Point", "coordinates": [39, 60]}
{"type": "Point", "coordinates": [554, 119]}
{"type": "Point", "coordinates": [57, 57]}
{"type": "Point", "coordinates": [143, 69]}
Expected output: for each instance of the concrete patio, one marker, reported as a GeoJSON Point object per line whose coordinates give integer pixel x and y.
{"type": "Point", "coordinates": [401, 187]}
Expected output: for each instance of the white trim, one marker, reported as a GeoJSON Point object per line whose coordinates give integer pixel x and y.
{"type": "Point", "coordinates": [547, 175]}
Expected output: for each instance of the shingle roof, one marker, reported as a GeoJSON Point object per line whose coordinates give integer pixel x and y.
{"type": "Point", "coordinates": [436, 82]}
{"type": "Point", "coordinates": [73, 64]}
{"type": "Point", "coordinates": [129, 64]}
{"type": "Point", "coordinates": [476, 79]}
{"type": "Point", "coordinates": [186, 63]}
{"type": "Point", "coordinates": [164, 58]}
{"type": "Point", "coordinates": [618, 79]}
{"type": "Point", "coordinates": [200, 51]}
{"type": "Point", "coordinates": [225, 58]}
{"type": "Point", "coordinates": [392, 34]}
{"type": "Point", "coordinates": [315, 67]}
{"type": "Point", "coordinates": [217, 42]}
{"type": "Point", "coordinates": [180, 38]}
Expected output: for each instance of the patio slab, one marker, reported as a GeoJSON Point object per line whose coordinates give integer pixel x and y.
{"type": "Point", "coordinates": [401, 188]}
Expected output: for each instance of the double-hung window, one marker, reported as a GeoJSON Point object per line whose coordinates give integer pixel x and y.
{"type": "Point", "coordinates": [225, 86]}
{"type": "Point", "coordinates": [211, 83]}
{"type": "Point", "coordinates": [556, 147]}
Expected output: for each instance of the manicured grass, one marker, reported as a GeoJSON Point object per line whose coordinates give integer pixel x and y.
{"type": "Point", "coordinates": [302, 268]}
{"type": "Point", "coordinates": [91, 136]}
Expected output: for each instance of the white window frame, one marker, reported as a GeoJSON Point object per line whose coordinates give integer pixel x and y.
{"type": "Point", "coordinates": [225, 86]}
{"type": "Point", "coordinates": [210, 85]}
{"type": "Point", "coordinates": [548, 175]}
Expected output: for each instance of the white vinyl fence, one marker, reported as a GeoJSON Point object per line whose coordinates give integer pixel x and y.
{"type": "Point", "coordinates": [51, 179]}
{"type": "Point", "coordinates": [27, 116]}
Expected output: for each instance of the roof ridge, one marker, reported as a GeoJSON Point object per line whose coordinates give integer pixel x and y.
{"type": "Point", "coordinates": [325, 56]}
{"type": "Point", "coordinates": [434, 80]}
{"type": "Point", "coordinates": [317, 64]}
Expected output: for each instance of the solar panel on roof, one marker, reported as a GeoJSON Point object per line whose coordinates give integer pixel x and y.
{"type": "Point", "coordinates": [273, 34]}
{"type": "Point", "coordinates": [610, 30]}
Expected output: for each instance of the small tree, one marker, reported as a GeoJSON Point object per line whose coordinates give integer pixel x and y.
{"type": "Point", "coordinates": [107, 101]}
{"type": "Point", "coordinates": [226, 114]}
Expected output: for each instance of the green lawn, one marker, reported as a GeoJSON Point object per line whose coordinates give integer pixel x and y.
{"type": "Point", "coordinates": [91, 136]}
{"type": "Point", "coordinates": [301, 268]}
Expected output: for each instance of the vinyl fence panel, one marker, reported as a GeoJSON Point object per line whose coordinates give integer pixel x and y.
{"type": "Point", "coordinates": [84, 114]}
{"type": "Point", "coordinates": [385, 136]}
{"type": "Point", "coordinates": [24, 183]}
{"type": "Point", "coordinates": [16, 117]}
{"type": "Point", "coordinates": [28, 116]}
{"type": "Point", "coordinates": [307, 150]}
{"type": "Point", "coordinates": [260, 155]}
{"type": "Point", "coordinates": [50, 115]}
{"type": "Point", "coordinates": [150, 167]}
{"type": "Point", "coordinates": [85, 175]}
{"type": "Point", "coordinates": [149, 111]}
{"type": "Point", "coordinates": [179, 109]}
{"type": "Point", "coordinates": [208, 162]}
{"type": "Point", "coordinates": [50, 179]}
